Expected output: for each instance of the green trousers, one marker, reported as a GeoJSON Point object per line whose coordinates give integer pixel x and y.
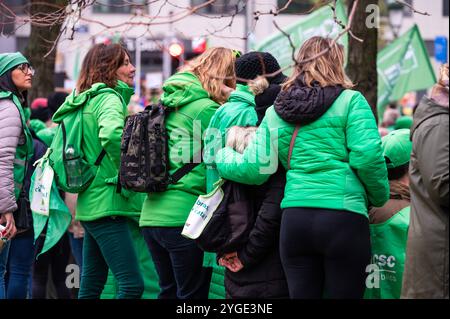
{"type": "Point", "coordinates": [107, 245]}
{"type": "Point", "coordinates": [148, 271]}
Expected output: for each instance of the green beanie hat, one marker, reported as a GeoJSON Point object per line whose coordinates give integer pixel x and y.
{"type": "Point", "coordinates": [10, 60]}
{"type": "Point", "coordinates": [397, 148]}
{"type": "Point", "coordinates": [403, 122]}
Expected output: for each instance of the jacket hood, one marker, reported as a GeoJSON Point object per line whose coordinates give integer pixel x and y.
{"type": "Point", "coordinates": [265, 100]}
{"type": "Point", "coordinates": [74, 101]}
{"type": "Point", "coordinates": [427, 109]}
{"type": "Point", "coordinates": [242, 94]}
{"type": "Point", "coordinates": [182, 88]}
{"type": "Point", "coordinates": [301, 104]}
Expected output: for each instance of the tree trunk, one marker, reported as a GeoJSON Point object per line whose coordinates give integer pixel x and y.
{"type": "Point", "coordinates": [40, 42]}
{"type": "Point", "coordinates": [362, 57]}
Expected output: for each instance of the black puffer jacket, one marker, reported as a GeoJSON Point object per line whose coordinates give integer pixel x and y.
{"type": "Point", "coordinates": [262, 275]}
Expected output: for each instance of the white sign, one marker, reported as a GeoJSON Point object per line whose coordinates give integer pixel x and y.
{"type": "Point", "coordinates": [40, 203]}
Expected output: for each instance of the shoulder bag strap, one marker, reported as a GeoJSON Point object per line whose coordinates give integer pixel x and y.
{"type": "Point", "coordinates": [291, 146]}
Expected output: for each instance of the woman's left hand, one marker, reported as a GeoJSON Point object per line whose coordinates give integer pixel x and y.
{"type": "Point", "coordinates": [231, 261]}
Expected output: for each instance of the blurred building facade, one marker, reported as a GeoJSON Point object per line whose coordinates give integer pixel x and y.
{"type": "Point", "coordinates": [192, 30]}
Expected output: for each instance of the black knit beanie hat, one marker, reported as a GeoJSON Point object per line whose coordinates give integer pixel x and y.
{"type": "Point", "coordinates": [252, 64]}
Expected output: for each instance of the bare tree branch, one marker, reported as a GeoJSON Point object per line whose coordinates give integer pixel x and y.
{"type": "Point", "coordinates": [340, 23]}
{"type": "Point", "coordinates": [289, 39]}
{"type": "Point", "coordinates": [412, 8]}
{"type": "Point", "coordinates": [323, 52]}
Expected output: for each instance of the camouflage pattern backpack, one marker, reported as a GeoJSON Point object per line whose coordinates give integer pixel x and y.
{"type": "Point", "coordinates": [144, 160]}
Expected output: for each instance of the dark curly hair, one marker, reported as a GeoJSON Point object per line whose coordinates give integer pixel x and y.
{"type": "Point", "coordinates": [100, 65]}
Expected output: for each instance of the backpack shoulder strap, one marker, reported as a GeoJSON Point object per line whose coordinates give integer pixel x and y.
{"type": "Point", "coordinates": [100, 157]}
{"type": "Point", "coordinates": [182, 171]}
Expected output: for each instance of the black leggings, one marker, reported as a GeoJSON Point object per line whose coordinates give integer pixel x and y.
{"type": "Point", "coordinates": [324, 253]}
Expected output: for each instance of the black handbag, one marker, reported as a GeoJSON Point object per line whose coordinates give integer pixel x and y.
{"type": "Point", "coordinates": [230, 224]}
{"type": "Point", "coordinates": [22, 219]}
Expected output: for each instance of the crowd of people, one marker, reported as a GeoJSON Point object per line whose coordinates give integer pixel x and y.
{"type": "Point", "coordinates": [333, 193]}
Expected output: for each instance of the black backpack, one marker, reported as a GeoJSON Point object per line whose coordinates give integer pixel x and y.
{"type": "Point", "coordinates": [144, 159]}
{"type": "Point", "coordinates": [231, 223]}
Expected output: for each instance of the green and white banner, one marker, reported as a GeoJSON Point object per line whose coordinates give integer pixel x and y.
{"type": "Point", "coordinates": [403, 66]}
{"type": "Point", "coordinates": [318, 23]}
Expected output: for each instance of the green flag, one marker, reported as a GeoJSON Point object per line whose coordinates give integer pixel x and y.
{"type": "Point", "coordinates": [403, 66]}
{"type": "Point", "coordinates": [57, 221]}
{"type": "Point", "coordinates": [318, 23]}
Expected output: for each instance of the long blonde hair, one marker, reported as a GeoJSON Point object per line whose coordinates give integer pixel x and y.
{"type": "Point", "coordinates": [214, 68]}
{"type": "Point", "coordinates": [327, 69]}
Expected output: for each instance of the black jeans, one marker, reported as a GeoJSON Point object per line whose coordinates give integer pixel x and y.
{"type": "Point", "coordinates": [324, 253]}
{"type": "Point", "coordinates": [178, 262]}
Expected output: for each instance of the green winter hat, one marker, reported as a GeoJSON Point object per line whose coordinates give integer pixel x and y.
{"type": "Point", "coordinates": [397, 148]}
{"type": "Point", "coordinates": [11, 60]}
{"type": "Point", "coordinates": [403, 122]}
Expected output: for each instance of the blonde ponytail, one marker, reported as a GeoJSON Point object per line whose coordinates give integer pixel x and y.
{"type": "Point", "coordinates": [258, 85]}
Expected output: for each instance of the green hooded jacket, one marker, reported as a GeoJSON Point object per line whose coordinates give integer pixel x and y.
{"type": "Point", "coordinates": [190, 111]}
{"type": "Point", "coordinates": [238, 111]}
{"type": "Point", "coordinates": [103, 122]}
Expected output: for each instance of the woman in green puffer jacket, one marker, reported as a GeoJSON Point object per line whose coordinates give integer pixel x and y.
{"type": "Point", "coordinates": [192, 95]}
{"type": "Point", "coordinates": [103, 212]}
{"type": "Point", "coordinates": [326, 137]}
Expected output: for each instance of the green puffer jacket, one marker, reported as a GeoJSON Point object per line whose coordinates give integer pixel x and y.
{"type": "Point", "coordinates": [337, 160]}
{"type": "Point", "coordinates": [190, 111]}
{"type": "Point", "coordinates": [103, 122]}
{"type": "Point", "coordinates": [238, 111]}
